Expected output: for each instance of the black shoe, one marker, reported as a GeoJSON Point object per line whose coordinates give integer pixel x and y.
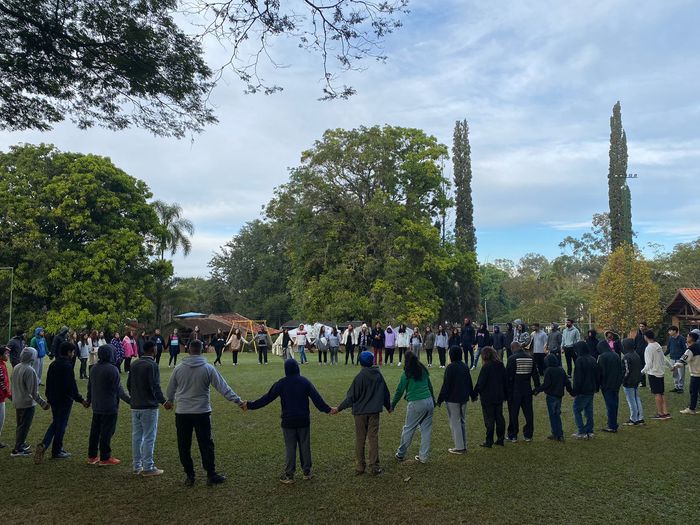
{"type": "Point", "coordinates": [640, 422]}
{"type": "Point", "coordinates": [286, 479]}
{"type": "Point", "coordinates": [485, 445]}
{"type": "Point", "coordinates": [377, 471]}
{"type": "Point", "coordinates": [560, 439]}
{"type": "Point", "coordinates": [500, 443]}
{"type": "Point", "coordinates": [357, 473]}
{"type": "Point", "coordinates": [216, 479]}
{"type": "Point", "coordinates": [62, 455]}
{"type": "Point", "coordinates": [189, 481]}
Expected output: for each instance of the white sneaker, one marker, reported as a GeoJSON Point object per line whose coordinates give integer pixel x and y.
{"type": "Point", "coordinates": [399, 363]}
{"type": "Point", "coordinates": [688, 411]}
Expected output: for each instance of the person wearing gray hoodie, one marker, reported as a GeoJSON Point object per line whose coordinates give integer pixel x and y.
{"type": "Point", "coordinates": [189, 389]}
{"type": "Point", "coordinates": [25, 396]}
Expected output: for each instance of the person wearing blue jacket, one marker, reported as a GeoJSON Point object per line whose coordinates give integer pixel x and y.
{"type": "Point", "coordinates": [294, 391]}
{"type": "Point", "coordinates": [675, 348]}
{"type": "Point", "coordinates": [42, 350]}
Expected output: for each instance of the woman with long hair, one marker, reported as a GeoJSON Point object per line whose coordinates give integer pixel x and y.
{"type": "Point", "coordinates": [116, 342]}
{"type": "Point", "coordinates": [402, 341]}
{"type": "Point", "coordinates": [491, 388]}
{"type": "Point", "coordinates": [416, 342]}
{"type": "Point", "coordinates": [592, 342]}
{"type": "Point", "coordinates": [429, 344]}
{"type": "Point", "coordinates": [218, 341]}
{"type": "Point", "coordinates": [483, 339]}
{"type": "Point", "coordinates": [141, 341]}
{"type": "Point", "coordinates": [130, 349]}
{"type": "Point", "coordinates": [441, 342]}
{"type": "Point", "coordinates": [287, 352]}
{"type": "Point", "coordinates": [378, 343]}
{"type": "Point", "coordinates": [349, 339]}
{"type": "Point", "coordinates": [96, 341]}
{"type": "Point", "coordinates": [85, 349]}
{"type": "Point", "coordinates": [235, 342]}
{"type": "Point", "coordinates": [510, 335]}
{"type": "Point", "coordinates": [173, 347]}
{"type": "Point", "coordinates": [334, 345]}
{"type": "Point", "coordinates": [415, 385]}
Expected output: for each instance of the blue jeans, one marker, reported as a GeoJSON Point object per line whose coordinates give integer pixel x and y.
{"type": "Point", "coordinates": [554, 411]}
{"type": "Point", "coordinates": [635, 404]}
{"type": "Point", "coordinates": [302, 354]}
{"type": "Point", "coordinates": [144, 427]}
{"type": "Point", "coordinates": [57, 429]}
{"type": "Point", "coordinates": [584, 404]}
{"type": "Point", "coordinates": [419, 414]}
{"type": "Point", "coordinates": [612, 403]}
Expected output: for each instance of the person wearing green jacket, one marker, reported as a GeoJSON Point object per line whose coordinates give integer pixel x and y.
{"type": "Point", "coordinates": [416, 387]}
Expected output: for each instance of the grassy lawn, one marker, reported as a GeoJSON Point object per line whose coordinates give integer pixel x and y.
{"type": "Point", "coordinates": [640, 475]}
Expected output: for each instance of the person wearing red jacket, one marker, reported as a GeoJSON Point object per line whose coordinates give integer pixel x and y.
{"type": "Point", "coordinates": [5, 392]}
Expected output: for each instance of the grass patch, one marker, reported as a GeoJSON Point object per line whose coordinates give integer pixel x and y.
{"type": "Point", "coordinates": [640, 475]}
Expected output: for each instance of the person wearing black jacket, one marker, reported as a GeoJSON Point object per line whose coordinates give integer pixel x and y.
{"type": "Point", "coordinates": [554, 383]}
{"type": "Point", "coordinates": [58, 340]}
{"type": "Point", "coordinates": [61, 392]}
{"type": "Point", "coordinates": [456, 390]}
{"type": "Point", "coordinates": [610, 380]}
{"type": "Point", "coordinates": [378, 344]}
{"type": "Point", "coordinates": [498, 340]}
{"type": "Point", "coordinates": [510, 335]}
{"type": "Point", "coordinates": [294, 391]}
{"type": "Point", "coordinates": [160, 344]}
{"type": "Point", "coordinates": [640, 345]}
{"type": "Point", "coordinates": [468, 340]}
{"type": "Point", "coordinates": [368, 395]}
{"type": "Point", "coordinates": [218, 341]}
{"type": "Point", "coordinates": [16, 345]}
{"type": "Point", "coordinates": [491, 389]}
{"type": "Point", "coordinates": [585, 385]}
{"type": "Point", "coordinates": [613, 342]}
{"type": "Point", "coordinates": [631, 375]}
{"type": "Point", "coordinates": [520, 371]}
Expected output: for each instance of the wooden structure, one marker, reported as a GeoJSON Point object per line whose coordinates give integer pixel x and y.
{"type": "Point", "coordinates": [684, 310]}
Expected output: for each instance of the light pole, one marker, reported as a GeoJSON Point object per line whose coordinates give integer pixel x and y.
{"type": "Point", "coordinates": [12, 281]}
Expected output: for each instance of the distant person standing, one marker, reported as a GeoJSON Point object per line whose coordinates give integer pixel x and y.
{"type": "Point", "coordinates": [173, 347]}
{"type": "Point", "coordinates": [116, 343]}
{"type": "Point", "coordinates": [691, 359]}
{"type": "Point", "coordinates": [16, 345]}
{"type": "Point", "coordinates": [553, 345]}
{"type": "Point", "coordinates": [429, 344]}
{"type": "Point", "coordinates": [25, 397]}
{"type": "Point", "coordinates": [5, 391]}
{"type": "Point", "coordinates": [322, 346]}
{"type": "Point", "coordinates": [364, 341]}
{"type": "Point", "coordinates": [218, 341]}
{"type": "Point", "coordinates": [416, 342]}
{"type": "Point", "coordinates": [631, 373]}
{"type": "Point", "coordinates": [592, 342]}
{"type": "Point", "coordinates": [402, 341]}
{"type": "Point", "coordinates": [569, 337]}
{"type": "Point", "coordinates": [610, 378]}
{"type": "Point", "coordinates": [235, 342]}
{"type": "Point", "coordinates": [42, 350]}
{"type": "Point", "coordinates": [492, 391]}
{"type": "Point", "coordinates": [441, 342]}
{"type": "Point", "coordinates": [85, 347]}
{"type": "Point", "coordinates": [675, 348]}
{"type": "Point", "coordinates": [539, 344]}
{"type": "Point", "coordinates": [389, 345]}
{"type": "Point", "coordinates": [95, 345]}
{"type": "Point", "coordinates": [58, 340]}
{"type": "Point", "coordinates": [498, 341]}
{"type": "Point", "coordinates": [349, 340]}
{"type": "Point", "coordinates": [483, 339]}
{"type": "Point", "coordinates": [131, 350]}
{"type": "Point", "coordinates": [457, 389]}
{"type": "Point", "coordinates": [262, 341]}
{"type": "Point", "coordinates": [521, 372]}
{"type": "Point", "coordinates": [300, 341]}
{"type": "Point", "coordinates": [521, 335]}
{"type": "Point", "coordinates": [378, 344]}
{"type": "Point", "coordinates": [160, 344]}
{"type": "Point", "coordinates": [585, 385]}
{"type": "Point", "coordinates": [287, 352]}
{"type": "Point", "coordinates": [510, 336]}
{"type": "Point", "coordinates": [468, 340]}
{"type": "Point", "coordinates": [640, 345]}
{"type": "Point", "coordinates": [655, 367]}
{"type": "Point", "coordinates": [334, 345]}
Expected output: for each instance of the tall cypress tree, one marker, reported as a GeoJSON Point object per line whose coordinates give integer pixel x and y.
{"type": "Point", "coordinates": [619, 196]}
{"type": "Point", "coordinates": [465, 233]}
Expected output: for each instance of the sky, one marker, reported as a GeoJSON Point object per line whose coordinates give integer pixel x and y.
{"type": "Point", "coordinates": [536, 81]}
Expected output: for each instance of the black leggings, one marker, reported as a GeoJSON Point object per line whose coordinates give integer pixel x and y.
{"type": "Point", "coordinates": [350, 352]}
{"type": "Point", "coordinates": [401, 352]}
{"type": "Point", "coordinates": [570, 354]}
{"type": "Point", "coordinates": [429, 355]}
{"type": "Point", "coordinates": [235, 357]}
{"type": "Point", "coordinates": [389, 357]}
{"type": "Point", "coordinates": [441, 355]}
{"type": "Point", "coordinates": [325, 356]}
{"type": "Point", "coordinates": [262, 354]}
{"type": "Point", "coordinates": [469, 349]}
{"type": "Point", "coordinates": [218, 355]}
{"type": "Point", "coordinates": [173, 358]}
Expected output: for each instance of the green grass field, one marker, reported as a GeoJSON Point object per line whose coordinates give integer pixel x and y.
{"type": "Point", "coordinates": [640, 475]}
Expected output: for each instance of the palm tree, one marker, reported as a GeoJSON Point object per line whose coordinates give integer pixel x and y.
{"type": "Point", "coordinates": [176, 231]}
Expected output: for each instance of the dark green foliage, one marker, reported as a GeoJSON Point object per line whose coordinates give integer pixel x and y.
{"type": "Point", "coordinates": [618, 190]}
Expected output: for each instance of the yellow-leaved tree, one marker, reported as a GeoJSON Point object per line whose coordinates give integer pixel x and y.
{"type": "Point", "coordinates": [625, 294]}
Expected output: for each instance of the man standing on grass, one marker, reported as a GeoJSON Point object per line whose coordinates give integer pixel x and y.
{"type": "Point", "coordinates": [610, 381]}
{"type": "Point", "coordinates": [585, 385]}
{"type": "Point", "coordinates": [655, 367]}
{"type": "Point", "coordinates": [553, 345]}
{"type": "Point", "coordinates": [143, 385]}
{"type": "Point", "coordinates": [16, 345]}
{"type": "Point", "coordinates": [569, 337]}
{"type": "Point", "coordinates": [640, 345]}
{"type": "Point", "coordinates": [691, 359]}
{"type": "Point", "coordinates": [520, 370]}
{"type": "Point", "coordinates": [189, 389]}
{"type": "Point", "coordinates": [160, 344]}
{"type": "Point", "coordinates": [61, 392]}
{"type": "Point", "coordinates": [539, 342]}
{"type": "Point", "coordinates": [675, 350]}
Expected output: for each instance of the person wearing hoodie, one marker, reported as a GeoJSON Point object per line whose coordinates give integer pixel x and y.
{"type": "Point", "coordinates": [364, 340]}
{"type": "Point", "coordinates": [5, 391]}
{"type": "Point", "coordinates": [131, 350]}
{"type": "Point", "coordinates": [104, 391]}
{"type": "Point", "coordinates": [173, 345]}
{"type": "Point", "coordinates": [585, 385]}
{"type": "Point", "coordinates": [483, 339]}
{"type": "Point", "coordinates": [16, 345]}
{"type": "Point", "coordinates": [468, 340]}
{"type": "Point", "coordinates": [610, 380]}
{"type": "Point", "coordinates": [416, 342]}
{"type": "Point", "coordinates": [442, 342]}
{"type": "Point", "coordinates": [118, 357]}
{"type": "Point", "coordinates": [655, 367]}
{"type": "Point", "coordinates": [569, 337]}
{"type": "Point", "coordinates": [640, 344]}
{"type": "Point", "coordinates": [498, 341]}
{"type": "Point", "coordinates": [553, 345]}
{"type": "Point", "coordinates": [58, 340]}
{"type": "Point", "coordinates": [520, 371]}
{"type": "Point", "coordinates": [592, 342]}
{"type": "Point", "coordinates": [263, 342]}
{"type": "Point", "coordinates": [61, 392]}
{"type": "Point", "coordinates": [218, 341]}
{"type": "Point", "coordinates": [457, 389]}
{"type": "Point", "coordinates": [294, 391]}
{"type": "Point", "coordinates": [521, 335]}
{"type": "Point", "coordinates": [39, 342]}
{"type": "Point", "coordinates": [631, 374]}
{"type": "Point", "coordinates": [553, 385]}
{"type": "Point", "coordinates": [691, 359]}
{"type": "Point", "coordinates": [402, 341]}
{"type": "Point", "coordinates": [429, 344]}
{"type": "Point", "coordinates": [378, 343]}
{"type": "Point", "coordinates": [510, 335]}
{"type": "Point", "coordinates": [368, 395]}
{"type": "Point", "coordinates": [389, 345]}
{"type": "Point", "coordinates": [25, 397]}
{"type": "Point", "coordinates": [675, 348]}
{"type": "Point", "coordinates": [189, 388]}
{"type": "Point", "coordinates": [492, 391]}
{"type": "Point", "coordinates": [613, 342]}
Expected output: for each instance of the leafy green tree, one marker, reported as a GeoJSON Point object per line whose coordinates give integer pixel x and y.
{"type": "Point", "coordinates": [678, 269]}
{"type": "Point", "coordinates": [121, 63]}
{"type": "Point", "coordinates": [618, 190]}
{"type": "Point", "coordinates": [498, 301]}
{"type": "Point", "coordinates": [74, 227]}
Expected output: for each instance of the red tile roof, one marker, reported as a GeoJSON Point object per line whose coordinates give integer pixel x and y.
{"type": "Point", "coordinates": [692, 295]}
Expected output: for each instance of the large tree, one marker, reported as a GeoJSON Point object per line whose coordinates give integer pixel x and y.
{"type": "Point", "coordinates": [74, 226]}
{"type": "Point", "coordinates": [121, 63]}
{"type": "Point", "coordinates": [618, 191]}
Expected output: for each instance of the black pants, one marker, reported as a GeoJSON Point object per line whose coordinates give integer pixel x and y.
{"type": "Point", "coordinates": [570, 354]}
{"type": "Point", "coordinates": [173, 358]}
{"type": "Point", "coordinates": [159, 352]}
{"type": "Point", "coordinates": [389, 356]}
{"type": "Point", "coordinates": [262, 354]}
{"type": "Point", "coordinates": [218, 355]}
{"type": "Point", "coordinates": [25, 416]}
{"type": "Point", "coordinates": [401, 353]}
{"type": "Point", "coordinates": [469, 349]}
{"type": "Point", "coordinates": [643, 381]}
{"type": "Point", "coordinates": [57, 429]}
{"type": "Point", "coordinates": [127, 364]}
{"type": "Point", "coordinates": [694, 390]}
{"type": "Point", "coordinates": [235, 357]}
{"type": "Point", "coordinates": [350, 352]}
{"type": "Point", "coordinates": [493, 417]}
{"type": "Point", "coordinates": [101, 432]}
{"type": "Point", "coordinates": [429, 355]}
{"type": "Point", "coordinates": [301, 438]}
{"type": "Point", "coordinates": [323, 354]}
{"type": "Point", "coordinates": [83, 368]}
{"type": "Point", "coordinates": [539, 362]}
{"type": "Point", "coordinates": [441, 355]}
{"type": "Point", "coordinates": [518, 401]}
{"type": "Point", "coordinates": [201, 424]}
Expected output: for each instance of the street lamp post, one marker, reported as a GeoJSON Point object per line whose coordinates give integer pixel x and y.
{"type": "Point", "coordinates": [12, 281]}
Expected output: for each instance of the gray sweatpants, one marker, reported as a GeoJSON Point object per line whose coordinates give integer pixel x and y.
{"type": "Point", "coordinates": [456, 414]}
{"type": "Point", "coordinates": [679, 377]}
{"type": "Point", "coordinates": [300, 437]}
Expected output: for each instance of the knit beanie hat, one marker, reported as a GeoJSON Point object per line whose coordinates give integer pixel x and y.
{"type": "Point", "coordinates": [366, 358]}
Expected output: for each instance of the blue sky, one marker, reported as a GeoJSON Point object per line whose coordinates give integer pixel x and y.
{"type": "Point", "coordinates": [536, 80]}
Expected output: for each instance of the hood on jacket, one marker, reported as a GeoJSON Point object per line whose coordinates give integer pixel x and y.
{"type": "Point", "coordinates": [581, 348]}
{"type": "Point", "coordinates": [603, 347]}
{"type": "Point", "coordinates": [455, 354]}
{"type": "Point", "coordinates": [627, 345]}
{"type": "Point", "coordinates": [194, 361]}
{"type": "Point", "coordinates": [106, 353]}
{"type": "Point", "coordinates": [291, 368]}
{"type": "Point", "coordinates": [555, 327]}
{"type": "Point", "coordinates": [63, 331]}
{"type": "Point", "coordinates": [28, 355]}
{"type": "Point", "coordinates": [551, 360]}
{"type": "Point", "coordinates": [38, 331]}
{"type": "Point", "coordinates": [496, 328]}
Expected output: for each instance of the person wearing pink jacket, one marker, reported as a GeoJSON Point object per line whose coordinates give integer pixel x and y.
{"type": "Point", "coordinates": [131, 349]}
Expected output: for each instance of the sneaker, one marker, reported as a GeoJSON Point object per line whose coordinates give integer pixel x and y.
{"type": "Point", "coordinates": [679, 391]}
{"type": "Point", "coordinates": [500, 443]}
{"type": "Point", "coordinates": [610, 430]}
{"type": "Point", "coordinates": [579, 436]}
{"type": "Point", "coordinates": [25, 446]}
{"type": "Point", "coordinates": [417, 458]}
{"type": "Point", "coordinates": [528, 440]}
{"type": "Point", "coordinates": [590, 435]}
{"type": "Point", "coordinates": [39, 456]}
{"type": "Point", "coordinates": [189, 481]}
{"type": "Point", "coordinates": [629, 423]}
{"type": "Point", "coordinates": [513, 439]}
{"type": "Point", "coordinates": [664, 417]}
{"type": "Point", "coordinates": [560, 439]}
{"type": "Point", "coordinates": [20, 454]}
{"type": "Point", "coordinates": [137, 471]}
{"type": "Point", "coordinates": [153, 472]}
{"type": "Point", "coordinates": [684, 411]}
{"type": "Point", "coordinates": [675, 390]}
{"type": "Point", "coordinates": [216, 479]}
{"type": "Point", "coordinates": [399, 363]}
{"type": "Point", "coordinates": [487, 445]}
{"type": "Point", "coordinates": [61, 455]}
{"type": "Point", "coordinates": [109, 462]}
{"type": "Point", "coordinates": [377, 471]}
{"type": "Point", "coordinates": [399, 458]}
{"type": "Point", "coordinates": [286, 479]}
{"type": "Point", "coordinates": [3, 445]}
{"type": "Point", "coordinates": [93, 461]}
{"type": "Point", "coordinates": [657, 417]}
{"type": "Point", "coordinates": [309, 476]}
{"type": "Point", "coordinates": [641, 422]}
{"type": "Point", "coordinates": [359, 472]}
{"type": "Point", "coordinates": [456, 451]}
{"type": "Point", "coordinates": [552, 437]}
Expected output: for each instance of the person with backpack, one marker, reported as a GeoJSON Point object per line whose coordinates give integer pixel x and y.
{"type": "Point", "coordinates": [263, 342]}
{"type": "Point", "coordinates": [39, 342]}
